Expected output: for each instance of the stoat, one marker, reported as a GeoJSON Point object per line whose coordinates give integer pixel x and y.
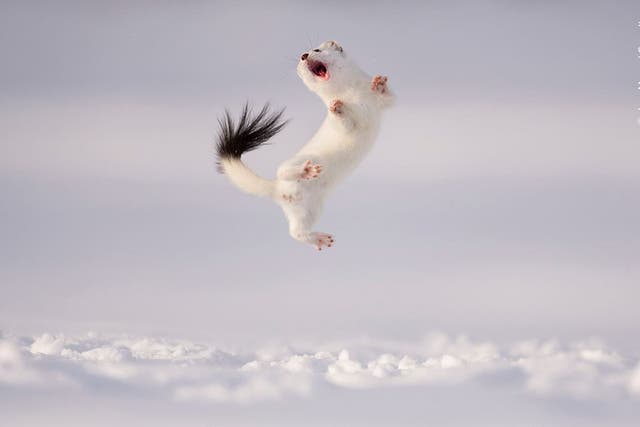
{"type": "Point", "coordinates": [354, 101]}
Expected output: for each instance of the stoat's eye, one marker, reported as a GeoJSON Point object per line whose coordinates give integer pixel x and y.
{"type": "Point", "coordinates": [316, 50]}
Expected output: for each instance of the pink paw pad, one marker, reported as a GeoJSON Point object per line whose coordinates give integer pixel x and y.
{"type": "Point", "coordinates": [336, 106]}
{"type": "Point", "coordinates": [291, 198]}
{"type": "Point", "coordinates": [379, 84]}
{"type": "Point", "coordinates": [310, 171]}
{"type": "Point", "coordinates": [321, 240]}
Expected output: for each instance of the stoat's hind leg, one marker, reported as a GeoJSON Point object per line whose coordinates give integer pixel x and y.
{"type": "Point", "coordinates": [300, 221]}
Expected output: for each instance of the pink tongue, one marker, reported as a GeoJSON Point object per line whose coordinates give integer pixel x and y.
{"type": "Point", "coordinates": [323, 74]}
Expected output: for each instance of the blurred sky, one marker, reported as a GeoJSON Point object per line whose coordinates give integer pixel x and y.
{"type": "Point", "coordinates": [501, 200]}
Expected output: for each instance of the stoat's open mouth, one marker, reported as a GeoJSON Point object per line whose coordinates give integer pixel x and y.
{"type": "Point", "coordinates": [318, 68]}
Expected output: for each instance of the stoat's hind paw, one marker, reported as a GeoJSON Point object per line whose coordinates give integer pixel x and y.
{"type": "Point", "coordinates": [321, 240]}
{"type": "Point", "coordinates": [336, 107]}
{"type": "Point", "coordinates": [379, 84]}
{"type": "Point", "coordinates": [310, 171]}
{"type": "Point", "coordinates": [291, 198]}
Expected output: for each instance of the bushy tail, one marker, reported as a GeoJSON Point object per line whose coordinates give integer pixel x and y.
{"type": "Point", "coordinates": [249, 134]}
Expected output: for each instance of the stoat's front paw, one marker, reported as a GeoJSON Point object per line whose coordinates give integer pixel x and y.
{"type": "Point", "coordinates": [310, 171]}
{"type": "Point", "coordinates": [379, 84]}
{"type": "Point", "coordinates": [336, 107]}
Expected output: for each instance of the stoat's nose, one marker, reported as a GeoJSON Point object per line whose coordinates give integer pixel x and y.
{"type": "Point", "coordinates": [304, 56]}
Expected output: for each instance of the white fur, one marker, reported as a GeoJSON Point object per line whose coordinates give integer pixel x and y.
{"type": "Point", "coordinates": [342, 141]}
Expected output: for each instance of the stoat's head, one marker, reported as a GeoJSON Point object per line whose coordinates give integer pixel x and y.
{"type": "Point", "coordinates": [326, 70]}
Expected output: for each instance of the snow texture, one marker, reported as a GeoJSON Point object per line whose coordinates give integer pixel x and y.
{"type": "Point", "coordinates": [188, 371]}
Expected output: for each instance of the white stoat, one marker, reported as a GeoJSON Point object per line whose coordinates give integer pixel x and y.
{"type": "Point", "coordinates": [355, 102]}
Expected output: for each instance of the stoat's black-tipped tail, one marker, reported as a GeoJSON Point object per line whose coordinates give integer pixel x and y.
{"type": "Point", "coordinates": [249, 133]}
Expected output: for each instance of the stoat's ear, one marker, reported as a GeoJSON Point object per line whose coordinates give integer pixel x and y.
{"type": "Point", "coordinates": [335, 45]}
